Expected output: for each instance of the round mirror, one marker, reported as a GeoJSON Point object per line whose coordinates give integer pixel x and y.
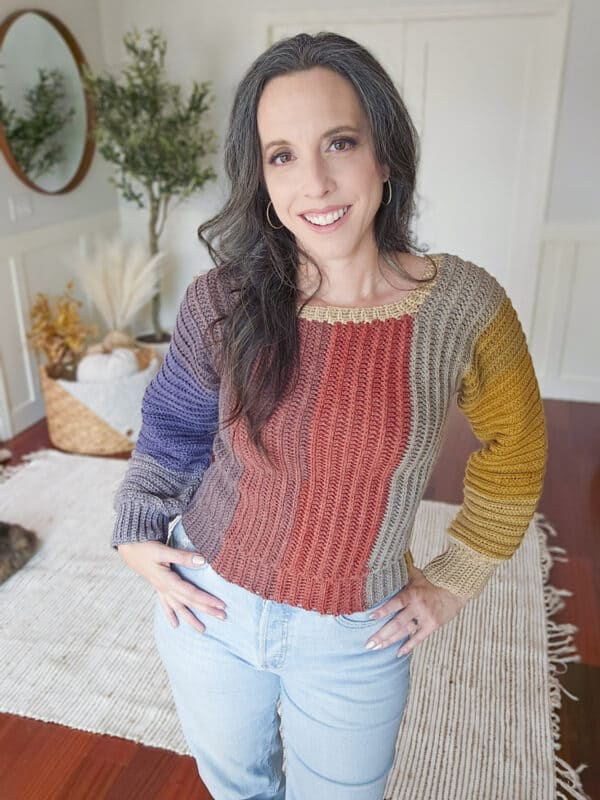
{"type": "Point", "coordinates": [45, 113]}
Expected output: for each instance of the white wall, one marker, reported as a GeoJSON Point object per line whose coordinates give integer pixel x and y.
{"type": "Point", "coordinates": [218, 41]}
{"type": "Point", "coordinates": [575, 187]}
{"type": "Point", "coordinates": [33, 248]}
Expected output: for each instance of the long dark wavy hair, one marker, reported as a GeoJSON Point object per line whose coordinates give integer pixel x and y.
{"type": "Point", "coordinates": [259, 331]}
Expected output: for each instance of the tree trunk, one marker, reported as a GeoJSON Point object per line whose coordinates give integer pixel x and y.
{"type": "Point", "coordinates": [159, 334]}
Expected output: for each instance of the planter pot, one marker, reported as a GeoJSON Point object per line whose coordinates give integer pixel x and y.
{"type": "Point", "coordinates": [160, 348]}
{"type": "Point", "coordinates": [97, 418]}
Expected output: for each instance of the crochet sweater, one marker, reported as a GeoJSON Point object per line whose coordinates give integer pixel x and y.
{"type": "Point", "coordinates": [329, 527]}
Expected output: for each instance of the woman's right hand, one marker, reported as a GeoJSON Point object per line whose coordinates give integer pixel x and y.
{"type": "Point", "coordinates": [152, 561]}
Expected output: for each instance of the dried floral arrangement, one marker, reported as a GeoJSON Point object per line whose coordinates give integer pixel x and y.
{"type": "Point", "coordinates": [120, 279]}
{"type": "Point", "coordinates": [59, 333]}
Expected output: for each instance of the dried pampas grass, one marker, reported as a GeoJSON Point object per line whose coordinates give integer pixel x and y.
{"type": "Point", "coordinates": [120, 279]}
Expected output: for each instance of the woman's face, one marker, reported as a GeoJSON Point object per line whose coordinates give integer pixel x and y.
{"type": "Point", "coordinates": [316, 170]}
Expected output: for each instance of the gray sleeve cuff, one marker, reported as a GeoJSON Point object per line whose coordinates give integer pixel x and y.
{"type": "Point", "coordinates": [139, 524]}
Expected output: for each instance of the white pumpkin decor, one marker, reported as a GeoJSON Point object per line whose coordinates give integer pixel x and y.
{"type": "Point", "coordinates": [99, 367]}
{"type": "Point", "coordinates": [100, 411]}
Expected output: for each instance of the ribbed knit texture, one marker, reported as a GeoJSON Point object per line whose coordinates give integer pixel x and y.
{"type": "Point", "coordinates": [329, 527]}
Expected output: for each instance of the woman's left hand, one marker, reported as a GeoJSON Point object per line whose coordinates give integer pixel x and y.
{"type": "Point", "coordinates": [431, 605]}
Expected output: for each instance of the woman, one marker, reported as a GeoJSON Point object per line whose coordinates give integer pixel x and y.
{"type": "Point", "coordinates": [293, 426]}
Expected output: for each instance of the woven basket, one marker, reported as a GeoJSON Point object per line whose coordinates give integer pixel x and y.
{"type": "Point", "coordinates": [97, 418]}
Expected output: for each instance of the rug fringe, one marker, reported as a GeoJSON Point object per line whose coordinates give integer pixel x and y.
{"type": "Point", "coordinates": [572, 775]}
{"type": "Point", "coordinates": [561, 651]}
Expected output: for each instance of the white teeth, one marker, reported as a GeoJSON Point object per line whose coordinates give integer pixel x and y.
{"type": "Point", "coordinates": [326, 219]}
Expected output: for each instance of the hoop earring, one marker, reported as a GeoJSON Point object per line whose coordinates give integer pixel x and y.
{"type": "Point", "coordinates": [269, 219]}
{"type": "Point", "coordinates": [390, 197]}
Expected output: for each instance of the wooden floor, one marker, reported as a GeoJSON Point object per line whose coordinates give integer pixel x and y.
{"type": "Point", "coordinates": [43, 761]}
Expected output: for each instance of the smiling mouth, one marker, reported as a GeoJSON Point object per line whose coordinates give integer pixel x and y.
{"type": "Point", "coordinates": [326, 221]}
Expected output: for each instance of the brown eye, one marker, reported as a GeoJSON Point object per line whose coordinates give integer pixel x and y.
{"type": "Point", "coordinates": [350, 142]}
{"type": "Point", "coordinates": [278, 155]}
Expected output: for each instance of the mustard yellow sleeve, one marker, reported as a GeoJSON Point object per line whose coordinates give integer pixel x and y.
{"type": "Point", "coordinates": [500, 397]}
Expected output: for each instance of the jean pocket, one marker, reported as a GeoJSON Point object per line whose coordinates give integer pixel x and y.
{"type": "Point", "coordinates": [360, 619]}
{"type": "Point", "coordinates": [179, 538]}
{"type": "Point", "coordinates": [180, 541]}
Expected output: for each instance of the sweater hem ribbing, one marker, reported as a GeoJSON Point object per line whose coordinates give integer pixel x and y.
{"type": "Point", "coordinates": [324, 595]}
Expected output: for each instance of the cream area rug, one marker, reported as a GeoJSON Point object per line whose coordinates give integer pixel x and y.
{"type": "Point", "coordinates": [76, 646]}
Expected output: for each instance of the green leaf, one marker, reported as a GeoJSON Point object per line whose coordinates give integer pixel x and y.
{"type": "Point", "coordinates": [151, 134]}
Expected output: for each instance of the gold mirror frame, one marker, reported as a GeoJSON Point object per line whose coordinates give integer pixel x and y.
{"type": "Point", "coordinates": [78, 57]}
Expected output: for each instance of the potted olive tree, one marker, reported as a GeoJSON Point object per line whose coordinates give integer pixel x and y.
{"type": "Point", "coordinates": [153, 137]}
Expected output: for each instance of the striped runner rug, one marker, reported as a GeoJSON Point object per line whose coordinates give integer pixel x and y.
{"type": "Point", "coordinates": [482, 719]}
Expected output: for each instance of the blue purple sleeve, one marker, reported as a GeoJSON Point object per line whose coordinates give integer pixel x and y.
{"type": "Point", "coordinates": [179, 423]}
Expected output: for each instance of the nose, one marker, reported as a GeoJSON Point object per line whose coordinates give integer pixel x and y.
{"type": "Point", "coordinates": [317, 180]}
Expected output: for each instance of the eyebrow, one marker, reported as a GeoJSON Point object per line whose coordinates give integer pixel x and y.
{"type": "Point", "coordinates": [330, 132]}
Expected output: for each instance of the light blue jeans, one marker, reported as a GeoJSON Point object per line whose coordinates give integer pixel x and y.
{"type": "Point", "coordinates": [341, 705]}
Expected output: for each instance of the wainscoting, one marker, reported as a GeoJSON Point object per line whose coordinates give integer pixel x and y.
{"type": "Point", "coordinates": [32, 262]}
{"type": "Point", "coordinates": [565, 338]}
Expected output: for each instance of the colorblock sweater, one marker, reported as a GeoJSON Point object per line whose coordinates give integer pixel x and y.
{"type": "Point", "coordinates": [328, 527]}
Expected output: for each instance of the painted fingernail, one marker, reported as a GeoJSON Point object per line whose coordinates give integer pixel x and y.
{"type": "Point", "coordinates": [198, 559]}
{"type": "Point", "coordinates": [373, 645]}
